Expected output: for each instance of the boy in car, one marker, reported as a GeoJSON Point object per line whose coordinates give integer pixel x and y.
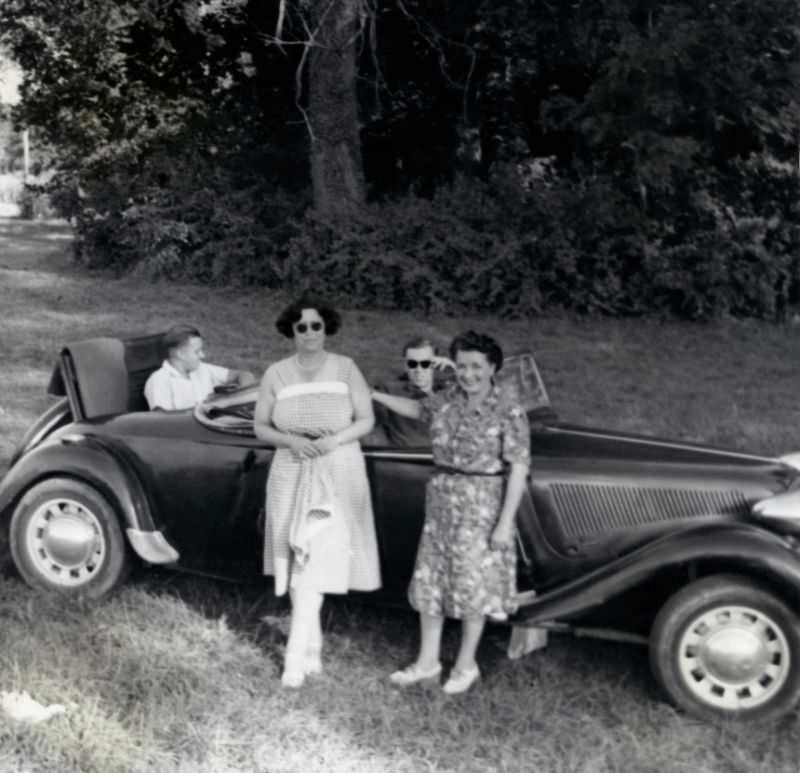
{"type": "Point", "coordinates": [184, 378]}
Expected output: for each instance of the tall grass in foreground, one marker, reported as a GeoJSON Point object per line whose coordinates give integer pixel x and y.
{"type": "Point", "coordinates": [180, 675]}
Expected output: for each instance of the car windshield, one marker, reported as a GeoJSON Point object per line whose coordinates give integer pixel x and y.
{"type": "Point", "coordinates": [520, 378]}
{"type": "Point", "coordinates": [232, 411]}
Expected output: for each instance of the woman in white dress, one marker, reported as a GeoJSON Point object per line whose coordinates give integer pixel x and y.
{"type": "Point", "coordinates": [320, 534]}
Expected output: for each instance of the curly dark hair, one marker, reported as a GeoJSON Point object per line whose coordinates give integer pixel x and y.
{"type": "Point", "coordinates": [478, 342]}
{"type": "Point", "coordinates": [294, 311]}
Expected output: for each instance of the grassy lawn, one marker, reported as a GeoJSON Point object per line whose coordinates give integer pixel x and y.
{"type": "Point", "coordinates": [180, 674]}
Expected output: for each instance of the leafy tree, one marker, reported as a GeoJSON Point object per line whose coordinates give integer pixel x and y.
{"type": "Point", "coordinates": [337, 172]}
{"type": "Point", "coordinates": [629, 155]}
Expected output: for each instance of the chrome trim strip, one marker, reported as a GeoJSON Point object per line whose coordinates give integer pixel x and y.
{"type": "Point", "coordinates": [663, 444]}
{"type": "Point", "coordinates": [152, 546]}
{"type": "Point", "coordinates": [609, 634]}
{"type": "Point", "coordinates": [399, 456]}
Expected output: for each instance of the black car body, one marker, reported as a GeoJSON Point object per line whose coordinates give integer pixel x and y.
{"type": "Point", "coordinates": [689, 548]}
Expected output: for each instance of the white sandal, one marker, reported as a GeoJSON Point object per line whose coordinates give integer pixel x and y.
{"type": "Point", "coordinates": [413, 674]}
{"type": "Point", "coordinates": [313, 663]}
{"type": "Point", "coordinates": [461, 681]}
{"type": "Point", "coordinates": [293, 679]}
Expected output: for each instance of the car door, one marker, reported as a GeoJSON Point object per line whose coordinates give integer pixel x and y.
{"type": "Point", "coordinates": [207, 489]}
{"type": "Point", "coordinates": [397, 479]}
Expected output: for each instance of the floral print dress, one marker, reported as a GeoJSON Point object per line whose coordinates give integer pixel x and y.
{"type": "Point", "coordinates": [457, 573]}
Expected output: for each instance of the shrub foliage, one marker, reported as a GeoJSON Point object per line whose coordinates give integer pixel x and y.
{"type": "Point", "coordinates": [499, 248]}
{"type": "Point", "coordinates": [617, 157]}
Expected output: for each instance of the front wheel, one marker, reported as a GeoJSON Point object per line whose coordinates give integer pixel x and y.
{"type": "Point", "coordinates": [725, 646]}
{"type": "Point", "coordinates": [65, 537]}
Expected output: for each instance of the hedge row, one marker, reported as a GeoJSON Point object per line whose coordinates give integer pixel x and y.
{"type": "Point", "coordinates": [562, 244]}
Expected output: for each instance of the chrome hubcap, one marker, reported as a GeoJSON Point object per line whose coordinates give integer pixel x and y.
{"type": "Point", "coordinates": [65, 542]}
{"type": "Point", "coordinates": [734, 657]}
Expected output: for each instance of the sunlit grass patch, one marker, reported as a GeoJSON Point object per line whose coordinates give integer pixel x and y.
{"type": "Point", "coordinates": [146, 679]}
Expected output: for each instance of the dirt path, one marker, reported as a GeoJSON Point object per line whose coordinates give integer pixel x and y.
{"type": "Point", "coordinates": [39, 245]}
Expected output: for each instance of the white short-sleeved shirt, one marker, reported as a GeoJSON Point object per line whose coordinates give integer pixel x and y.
{"type": "Point", "coordinates": [167, 388]}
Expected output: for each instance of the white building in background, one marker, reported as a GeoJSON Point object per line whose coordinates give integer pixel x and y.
{"type": "Point", "coordinates": [10, 79]}
{"type": "Point", "coordinates": [10, 185]}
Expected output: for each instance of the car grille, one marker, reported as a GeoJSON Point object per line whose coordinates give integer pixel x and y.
{"type": "Point", "coordinates": [591, 508]}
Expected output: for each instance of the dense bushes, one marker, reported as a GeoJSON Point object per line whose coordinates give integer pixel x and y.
{"type": "Point", "coordinates": [207, 236]}
{"type": "Point", "coordinates": [561, 246]}
{"type": "Point", "coordinates": [562, 243]}
{"type": "Point", "coordinates": [192, 212]}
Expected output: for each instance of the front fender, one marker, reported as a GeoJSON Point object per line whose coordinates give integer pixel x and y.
{"type": "Point", "coordinates": [86, 458]}
{"type": "Point", "coordinates": [760, 553]}
{"type": "Point", "coordinates": [56, 416]}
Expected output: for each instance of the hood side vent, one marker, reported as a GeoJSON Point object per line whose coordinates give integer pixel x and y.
{"type": "Point", "coordinates": [594, 508]}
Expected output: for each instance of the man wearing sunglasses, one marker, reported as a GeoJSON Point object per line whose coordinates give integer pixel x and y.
{"type": "Point", "coordinates": [425, 372]}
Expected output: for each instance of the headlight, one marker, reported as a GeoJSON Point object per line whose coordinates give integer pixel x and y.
{"type": "Point", "coordinates": [793, 460]}
{"type": "Point", "coordinates": [785, 506]}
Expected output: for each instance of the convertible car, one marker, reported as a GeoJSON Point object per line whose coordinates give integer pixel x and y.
{"type": "Point", "coordinates": [691, 550]}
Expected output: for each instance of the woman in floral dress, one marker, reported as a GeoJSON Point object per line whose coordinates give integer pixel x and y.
{"type": "Point", "coordinates": [466, 561]}
{"type": "Point", "coordinates": [319, 534]}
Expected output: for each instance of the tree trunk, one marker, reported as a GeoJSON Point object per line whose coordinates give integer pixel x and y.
{"type": "Point", "coordinates": [337, 170]}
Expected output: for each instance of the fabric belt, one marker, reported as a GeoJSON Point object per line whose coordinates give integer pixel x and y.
{"type": "Point", "coordinates": [444, 469]}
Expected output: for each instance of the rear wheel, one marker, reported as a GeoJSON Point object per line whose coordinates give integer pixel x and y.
{"type": "Point", "coordinates": [66, 537]}
{"type": "Point", "coordinates": [725, 646]}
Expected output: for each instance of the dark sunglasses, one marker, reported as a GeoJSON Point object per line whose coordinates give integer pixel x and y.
{"type": "Point", "coordinates": [301, 327]}
{"type": "Point", "coordinates": [412, 364]}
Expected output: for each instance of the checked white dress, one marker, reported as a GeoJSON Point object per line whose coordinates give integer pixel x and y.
{"type": "Point", "coordinates": [320, 530]}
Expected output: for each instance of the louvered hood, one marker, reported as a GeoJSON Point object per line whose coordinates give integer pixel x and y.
{"type": "Point", "coordinates": [598, 492]}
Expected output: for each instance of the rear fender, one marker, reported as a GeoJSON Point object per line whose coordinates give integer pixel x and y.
{"type": "Point", "coordinates": [85, 458]}
{"type": "Point", "coordinates": [759, 554]}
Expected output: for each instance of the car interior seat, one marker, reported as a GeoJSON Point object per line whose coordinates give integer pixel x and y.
{"type": "Point", "coordinates": [104, 376]}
